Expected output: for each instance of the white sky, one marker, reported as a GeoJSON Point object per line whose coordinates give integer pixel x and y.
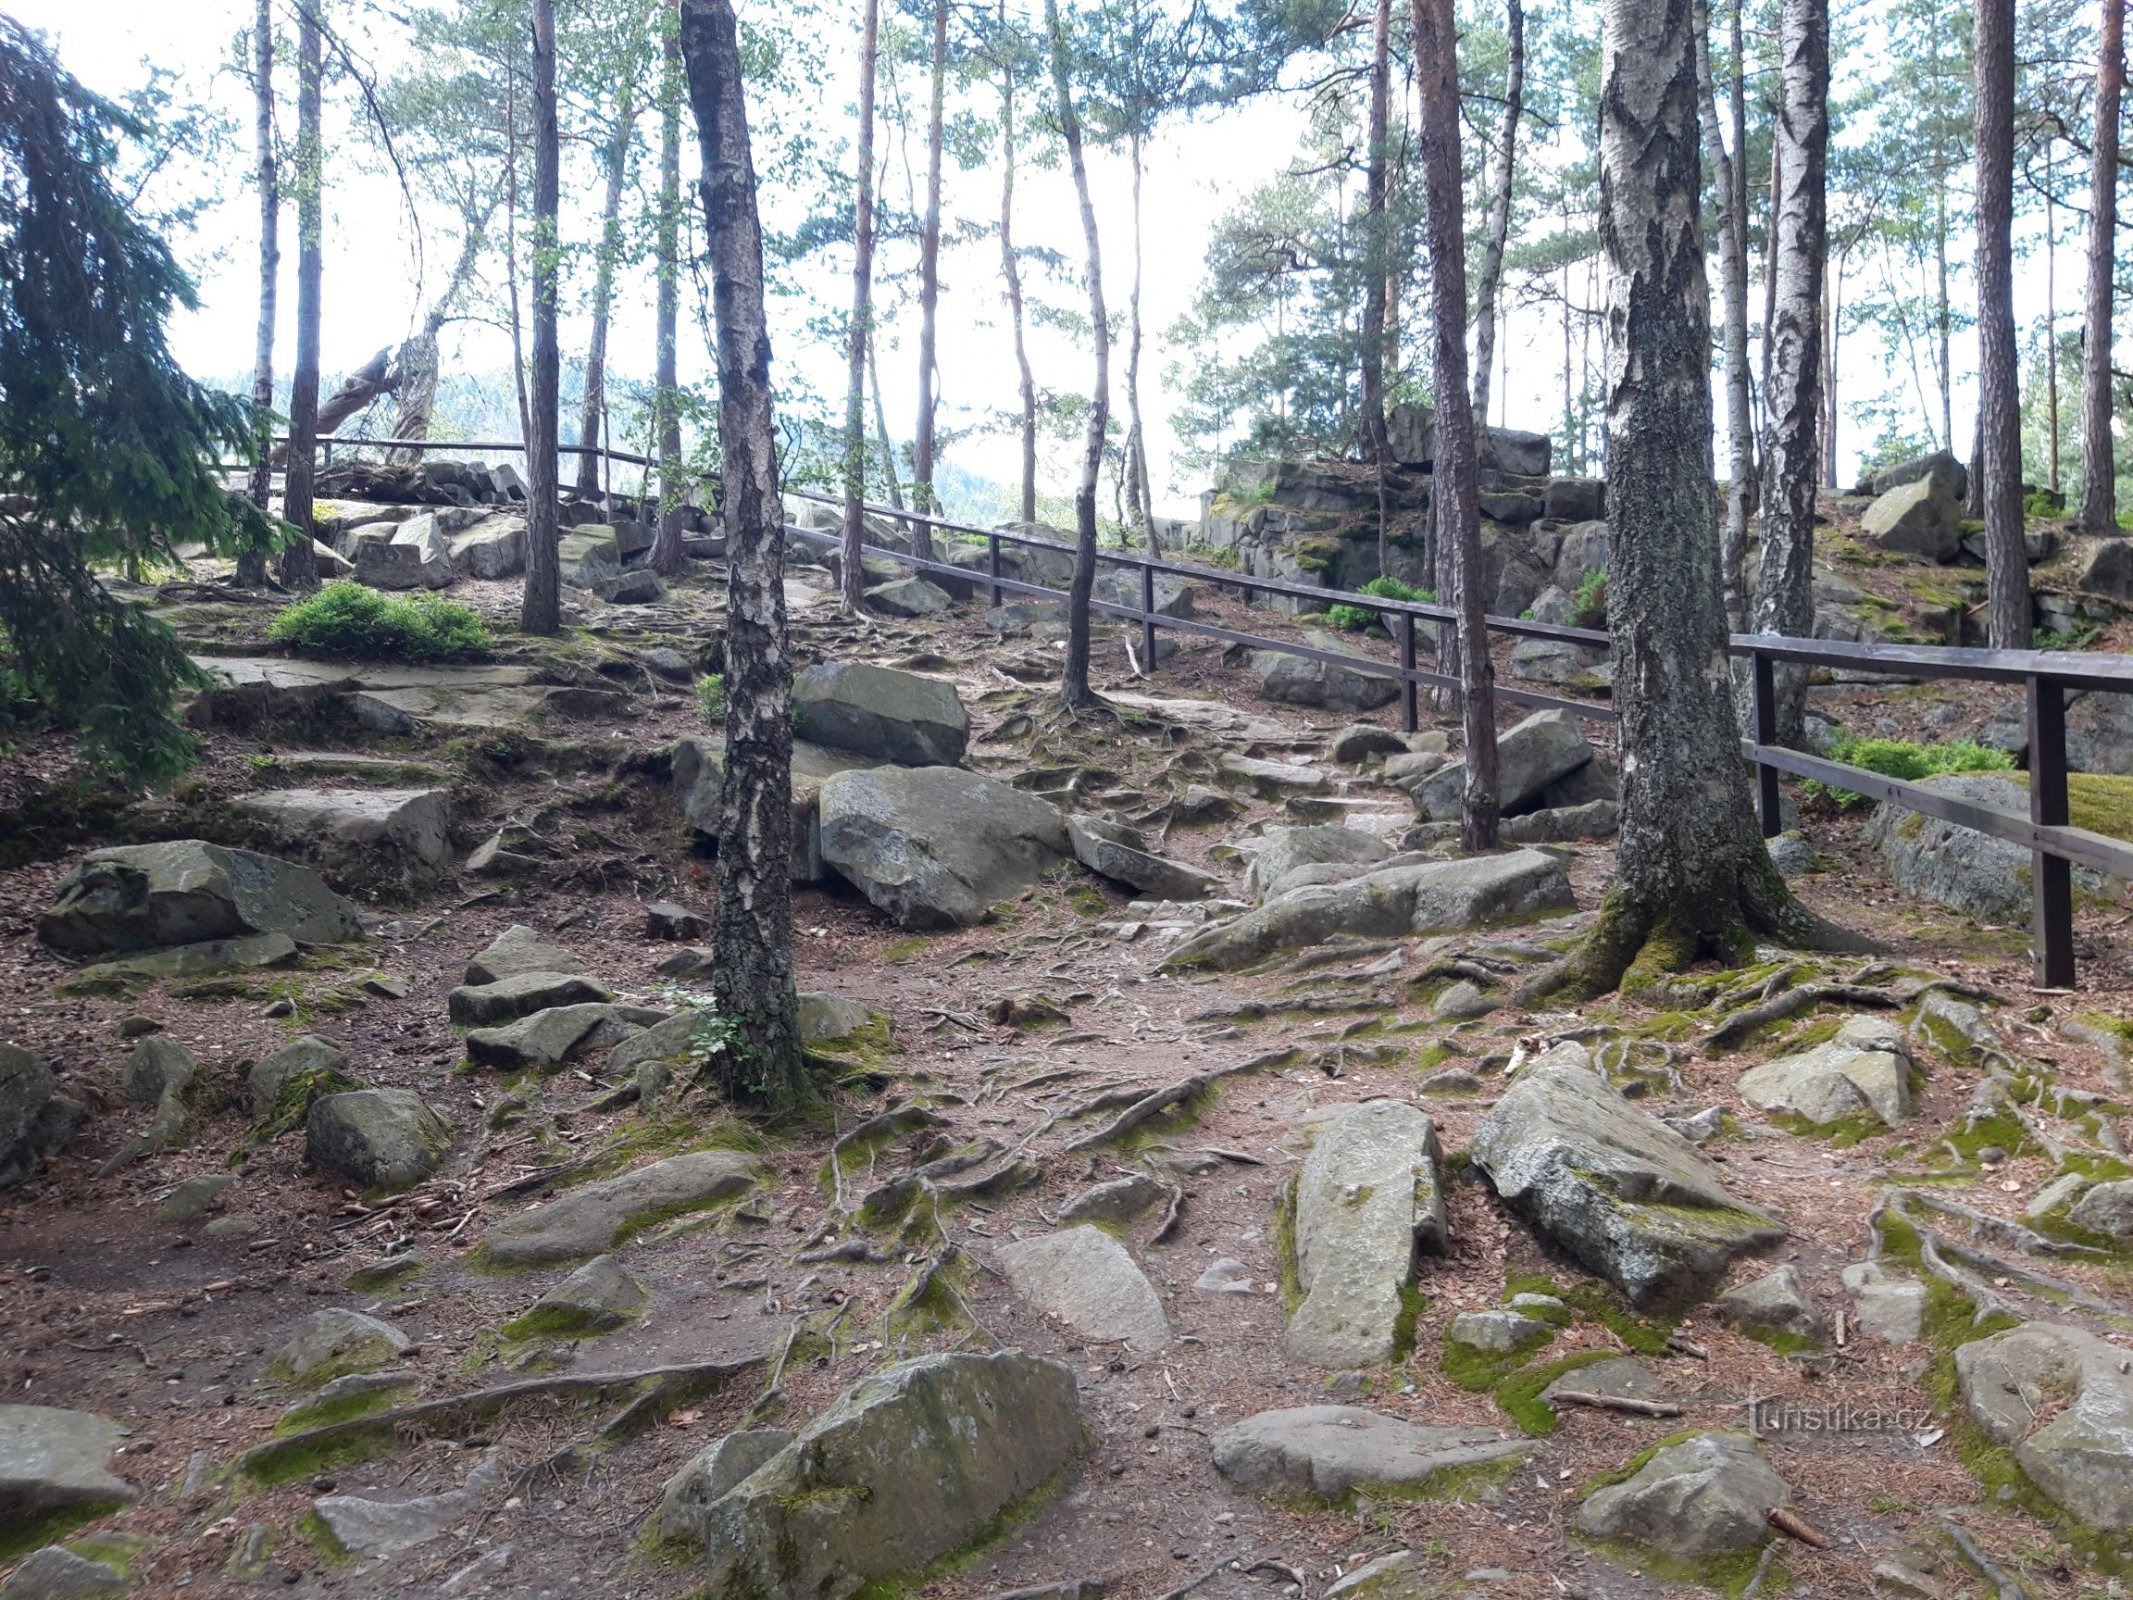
{"type": "Point", "coordinates": [1194, 173]}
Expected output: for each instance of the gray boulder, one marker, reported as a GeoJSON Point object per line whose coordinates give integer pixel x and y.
{"type": "Point", "coordinates": [494, 547]}
{"type": "Point", "coordinates": [549, 1038]}
{"type": "Point", "coordinates": [906, 1466]}
{"type": "Point", "coordinates": [909, 597]}
{"type": "Point", "coordinates": [55, 1462]}
{"type": "Point", "coordinates": [1948, 474]}
{"type": "Point", "coordinates": [598, 1297]}
{"type": "Point", "coordinates": [1499, 1332]}
{"type": "Point", "coordinates": [878, 711]}
{"type": "Point", "coordinates": [1547, 746]}
{"type": "Point", "coordinates": [2105, 1208]}
{"type": "Point", "coordinates": [1586, 549]}
{"type": "Point", "coordinates": [335, 1341]}
{"type": "Point", "coordinates": [1886, 1305]}
{"type": "Point", "coordinates": [1330, 1452]}
{"type": "Point", "coordinates": [1112, 850]}
{"type": "Point", "coordinates": [1360, 741]}
{"type": "Point", "coordinates": [56, 1573]}
{"type": "Point", "coordinates": [1618, 1191]}
{"type": "Point", "coordinates": [714, 1470]}
{"type": "Point", "coordinates": [413, 557]}
{"type": "Point", "coordinates": [145, 896]}
{"type": "Point", "coordinates": [588, 555]}
{"type": "Point", "coordinates": [1777, 1302]}
{"type": "Point", "coordinates": [36, 1120]}
{"type": "Point", "coordinates": [935, 846]}
{"type": "Point", "coordinates": [596, 1218]}
{"type": "Point", "coordinates": [1393, 903]}
{"type": "Point", "coordinates": [157, 1066]}
{"type": "Point", "coordinates": [518, 949]}
{"type": "Point", "coordinates": [1086, 1279]}
{"type": "Point", "coordinates": [286, 1080]}
{"type": "Point", "coordinates": [1959, 867]}
{"type": "Point", "coordinates": [1369, 1195]}
{"type": "Point", "coordinates": [2109, 570]}
{"type": "Point", "coordinates": [1864, 1071]}
{"type": "Point", "coordinates": [1576, 499]}
{"type": "Point", "coordinates": [1711, 1494]}
{"type": "Point", "coordinates": [1118, 1201]}
{"type": "Point", "coordinates": [370, 1527]}
{"type": "Point", "coordinates": [1301, 681]}
{"type": "Point", "coordinates": [1917, 518]}
{"type": "Point", "coordinates": [1287, 849]}
{"type": "Point", "coordinates": [376, 1138]}
{"type": "Point", "coordinates": [2062, 1398]}
{"type": "Point", "coordinates": [487, 1005]}
{"type": "Point", "coordinates": [348, 828]}
{"type": "Point", "coordinates": [1269, 780]}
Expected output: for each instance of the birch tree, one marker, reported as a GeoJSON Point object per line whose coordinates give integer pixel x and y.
{"type": "Point", "coordinates": [852, 578]}
{"type": "Point", "coordinates": [1998, 485]}
{"type": "Point", "coordinates": [2099, 472]}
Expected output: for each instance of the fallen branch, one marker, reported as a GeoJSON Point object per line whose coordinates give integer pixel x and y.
{"type": "Point", "coordinates": [1789, 1522]}
{"type": "Point", "coordinates": [1170, 1216]}
{"type": "Point", "coordinates": [1151, 1105]}
{"type": "Point", "coordinates": [1617, 1402]}
{"type": "Point", "coordinates": [2004, 1587]}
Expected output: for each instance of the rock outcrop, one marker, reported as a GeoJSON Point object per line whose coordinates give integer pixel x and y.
{"type": "Point", "coordinates": [935, 846]}
{"type": "Point", "coordinates": [896, 716]}
{"type": "Point", "coordinates": [2062, 1400]}
{"type": "Point", "coordinates": [146, 896]}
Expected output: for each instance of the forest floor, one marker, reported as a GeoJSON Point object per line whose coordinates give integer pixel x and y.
{"type": "Point", "coordinates": [105, 1309]}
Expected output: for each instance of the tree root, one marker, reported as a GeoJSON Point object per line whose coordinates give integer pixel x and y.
{"type": "Point", "coordinates": [2004, 1587]}
{"type": "Point", "coordinates": [1999, 1230]}
{"type": "Point", "coordinates": [1161, 1100]}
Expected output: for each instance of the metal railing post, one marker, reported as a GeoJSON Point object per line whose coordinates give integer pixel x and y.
{"type": "Point", "coordinates": [992, 564]}
{"type": "Point", "coordinates": [1148, 619]}
{"type": "Point", "coordinates": [1410, 696]}
{"type": "Point", "coordinates": [1768, 805]}
{"type": "Point", "coordinates": [2054, 875]}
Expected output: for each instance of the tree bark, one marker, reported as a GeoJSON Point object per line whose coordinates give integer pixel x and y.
{"type": "Point", "coordinates": [1376, 189]}
{"type": "Point", "coordinates": [1143, 508]}
{"type": "Point", "coordinates": [882, 441]}
{"type": "Point", "coordinates": [1784, 587]}
{"type": "Point", "coordinates": [1074, 687]}
{"type": "Point", "coordinates": [1999, 406]}
{"type": "Point", "coordinates": [667, 558]}
{"type": "Point", "coordinates": [852, 579]}
{"type": "Point", "coordinates": [1457, 485]}
{"type": "Point", "coordinates": [1730, 171]}
{"type": "Point", "coordinates": [541, 611]}
{"type": "Point", "coordinates": [252, 564]}
{"type": "Point", "coordinates": [1011, 273]}
{"type": "Point", "coordinates": [753, 926]}
{"type": "Point", "coordinates": [413, 378]}
{"type": "Point", "coordinates": [592, 417]}
{"type": "Point", "coordinates": [1693, 879]}
{"type": "Point", "coordinates": [923, 498]}
{"type": "Point", "coordinates": [2099, 468]}
{"type": "Point", "coordinates": [299, 565]}
{"type": "Point", "coordinates": [1487, 290]}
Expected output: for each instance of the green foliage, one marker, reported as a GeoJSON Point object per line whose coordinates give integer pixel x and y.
{"type": "Point", "coordinates": [2043, 503]}
{"type": "Point", "coordinates": [1899, 758]}
{"type": "Point", "coordinates": [711, 698]}
{"type": "Point", "coordinates": [347, 619]}
{"type": "Point", "coordinates": [1354, 619]}
{"type": "Point", "coordinates": [109, 452]}
{"type": "Point", "coordinates": [2078, 637]}
{"type": "Point", "coordinates": [1588, 607]}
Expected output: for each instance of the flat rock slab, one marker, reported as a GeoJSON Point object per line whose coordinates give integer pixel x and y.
{"type": "Point", "coordinates": [518, 949]}
{"type": "Point", "coordinates": [1624, 1377]}
{"type": "Point", "coordinates": [54, 1573]}
{"type": "Point", "coordinates": [336, 1341]}
{"type": "Point", "coordinates": [146, 896]}
{"type": "Point", "coordinates": [1369, 1195]}
{"type": "Point", "coordinates": [1618, 1191]}
{"type": "Point", "coordinates": [206, 959]}
{"type": "Point", "coordinates": [1118, 853]}
{"type": "Point", "coordinates": [1864, 1071]}
{"type": "Point", "coordinates": [896, 716]}
{"type": "Point", "coordinates": [1287, 850]}
{"type": "Point", "coordinates": [1392, 903]}
{"type": "Point", "coordinates": [488, 1005]}
{"type": "Point", "coordinates": [412, 823]}
{"type": "Point", "coordinates": [1332, 1451]}
{"type": "Point", "coordinates": [368, 1529]}
{"type": "Point", "coordinates": [934, 847]}
{"type": "Point", "coordinates": [1305, 681]}
{"type": "Point", "coordinates": [53, 1460]}
{"type": "Point", "coordinates": [549, 1038]}
{"type": "Point", "coordinates": [1086, 1279]}
{"type": "Point", "coordinates": [1711, 1494]}
{"type": "Point", "coordinates": [2063, 1399]}
{"type": "Point", "coordinates": [596, 1218]}
{"type": "Point", "coordinates": [904, 1467]}
{"type": "Point", "coordinates": [1545, 747]}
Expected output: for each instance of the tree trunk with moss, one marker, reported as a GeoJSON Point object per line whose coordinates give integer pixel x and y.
{"type": "Point", "coordinates": [753, 925]}
{"type": "Point", "coordinates": [1693, 880]}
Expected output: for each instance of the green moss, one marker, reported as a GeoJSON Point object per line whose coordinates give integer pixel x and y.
{"type": "Point", "coordinates": [312, 1529]}
{"type": "Point", "coordinates": [898, 951]}
{"type": "Point", "coordinates": [1728, 1574]}
{"type": "Point", "coordinates": [1010, 1521]}
{"type": "Point", "coordinates": [323, 1413]}
{"type": "Point", "coordinates": [555, 1322]}
{"type": "Point", "coordinates": [1519, 1394]}
{"type": "Point", "coordinates": [369, 1280]}
{"type": "Point", "coordinates": [1840, 1135]}
{"type": "Point", "coordinates": [317, 1450]}
{"type": "Point", "coordinates": [1292, 1293]}
{"type": "Point", "coordinates": [1647, 1337]}
{"type": "Point", "coordinates": [1475, 1370]}
{"type": "Point", "coordinates": [121, 1552]}
{"type": "Point", "coordinates": [33, 1532]}
{"type": "Point", "coordinates": [1413, 1302]}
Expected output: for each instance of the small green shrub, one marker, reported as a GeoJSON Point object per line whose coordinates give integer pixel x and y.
{"type": "Point", "coordinates": [1354, 619]}
{"type": "Point", "coordinates": [711, 697]}
{"type": "Point", "coordinates": [347, 619]}
{"type": "Point", "coordinates": [1899, 758]}
{"type": "Point", "coordinates": [2043, 503]}
{"type": "Point", "coordinates": [1588, 607]}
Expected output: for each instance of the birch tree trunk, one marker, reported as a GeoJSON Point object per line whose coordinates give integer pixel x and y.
{"type": "Point", "coordinates": [752, 929]}
{"type": "Point", "coordinates": [541, 611]}
{"type": "Point", "coordinates": [1693, 880]}
{"type": "Point", "coordinates": [882, 441]}
{"type": "Point", "coordinates": [929, 295]}
{"type": "Point", "coordinates": [1730, 173]}
{"type": "Point", "coordinates": [592, 416]}
{"type": "Point", "coordinates": [2099, 469]}
{"type": "Point", "coordinates": [1011, 273]}
{"type": "Point", "coordinates": [252, 564]}
{"type": "Point", "coordinates": [667, 558]}
{"type": "Point", "coordinates": [1074, 687]}
{"type": "Point", "coordinates": [1488, 290]}
{"type": "Point", "coordinates": [1999, 483]}
{"type": "Point", "coordinates": [1456, 498]}
{"type": "Point", "coordinates": [299, 566]}
{"type": "Point", "coordinates": [1784, 586]}
{"type": "Point", "coordinates": [852, 580]}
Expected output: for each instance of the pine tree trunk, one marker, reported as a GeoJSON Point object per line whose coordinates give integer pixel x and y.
{"type": "Point", "coordinates": [1728, 170]}
{"type": "Point", "coordinates": [1011, 272]}
{"type": "Point", "coordinates": [299, 565]}
{"type": "Point", "coordinates": [923, 498]}
{"type": "Point", "coordinates": [882, 442]}
{"type": "Point", "coordinates": [541, 611]}
{"type": "Point", "coordinates": [1074, 687]}
{"type": "Point", "coordinates": [852, 578]}
{"type": "Point", "coordinates": [252, 564]}
{"type": "Point", "coordinates": [667, 558]}
{"type": "Point", "coordinates": [2099, 468]}
{"type": "Point", "coordinates": [1143, 495]}
{"type": "Point", "coordinates": [1457, 485]}
{"type": "Point", "coordinates": [753, 925]}
{"type": "Point", "coordinates": [1376, 278]}
{"type": "Point", "coordinates": [594, 413]}
{"type": "Point", "coordinates": [1693, 880]}
{"type": "Point", "coordinates": [1487, 290]}
{"type": "Point", "coordinates": [1999, 405]}
{"type": "Point", "coordinates": [1784, 586]}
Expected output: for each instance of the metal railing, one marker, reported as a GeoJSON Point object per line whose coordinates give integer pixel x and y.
{"type": "Point", "coordinates": [2047, 677]}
